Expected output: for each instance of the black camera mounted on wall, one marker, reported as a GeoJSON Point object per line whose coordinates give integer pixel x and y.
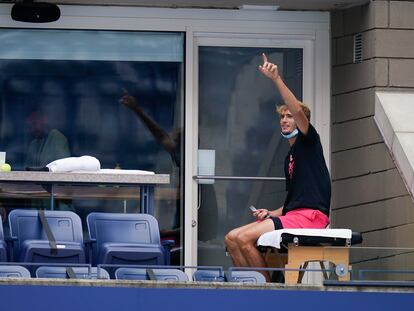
{"type": "Point", "coordinates": [29, 11]}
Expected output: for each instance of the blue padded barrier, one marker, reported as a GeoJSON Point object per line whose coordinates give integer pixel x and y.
{"type": "Point", "coordinates": [218, 275]}
{"type": "Point", "coordinates": [13, 271]}
{"type": "Point", "coordinates": [211, 275]}
{"type": "Point", "coordinates": [246, 277]}
{"type": "Point", "coordinates": [145, 274]}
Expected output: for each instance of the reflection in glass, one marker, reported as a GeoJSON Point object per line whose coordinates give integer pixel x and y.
{"type": "Point", "coordinates": [381, 263]}
{"type": "Point", "coordinates": [64, 100]}
{"type": "Point", "coordinates": [237, 119]}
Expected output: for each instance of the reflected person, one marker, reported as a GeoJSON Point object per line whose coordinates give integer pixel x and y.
{"type": "Point", "coordinates": [172, 144]}
{"type": "Point", "coordinates": [46, 146]}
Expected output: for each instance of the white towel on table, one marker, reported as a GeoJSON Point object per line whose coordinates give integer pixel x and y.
{"type": "Point", "coordinates": [274, 238]}
{"type": "Point", "coordinates": [83, 163]}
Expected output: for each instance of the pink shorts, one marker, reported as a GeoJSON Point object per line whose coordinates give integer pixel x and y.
{"type": "Point", "coordinates": [304, 218]}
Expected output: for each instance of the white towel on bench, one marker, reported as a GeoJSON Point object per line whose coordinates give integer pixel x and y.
{"type": "Point", "coordinates": [274, 238]}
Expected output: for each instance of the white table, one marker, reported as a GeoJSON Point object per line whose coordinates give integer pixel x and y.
{"type": "Point", "coordinates": [49, 181]}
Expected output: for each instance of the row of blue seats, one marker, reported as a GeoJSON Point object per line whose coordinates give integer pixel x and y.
{"type": "Point", "coordinates": [246, 277]}
{"type": "Point", "coordinates": [57, 237]}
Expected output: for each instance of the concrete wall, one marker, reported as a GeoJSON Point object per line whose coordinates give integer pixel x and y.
{"type": "Point", "coordinates": [369, 194]}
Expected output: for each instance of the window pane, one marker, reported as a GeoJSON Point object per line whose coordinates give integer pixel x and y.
{"type": "Point", "coordinates": [91, 45]}
{"type": "Point", "coordinates": [60, 97]}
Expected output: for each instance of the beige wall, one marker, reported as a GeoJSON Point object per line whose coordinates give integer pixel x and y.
{"type": "Point", "coordinates": [368, 193]}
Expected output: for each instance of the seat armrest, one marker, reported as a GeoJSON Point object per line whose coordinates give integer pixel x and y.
{"type": "Point", "coordinates": [88, 248]}
{"type": "Point", "coordinates": [10, 239]}
{"type": "Point", "coordinates": [89, 241]}
{"type": "Point", "coordinates": [10, 244]}
{"type": "Point", "coordinates": [167, 244]}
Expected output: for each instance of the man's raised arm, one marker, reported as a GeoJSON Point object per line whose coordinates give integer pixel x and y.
{"type": "Point", "coordinates": [271, 71]}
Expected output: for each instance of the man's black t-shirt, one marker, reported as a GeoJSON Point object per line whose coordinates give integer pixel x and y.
{"type": "Point", "coordinates": [307, 177]}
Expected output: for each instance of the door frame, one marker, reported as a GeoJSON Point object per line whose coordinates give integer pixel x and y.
{"type": "Point", "coordinates": [304, 42]}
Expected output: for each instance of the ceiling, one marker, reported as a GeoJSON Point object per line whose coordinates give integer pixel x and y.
{"type": "Point", "coordinates": [315, 5]}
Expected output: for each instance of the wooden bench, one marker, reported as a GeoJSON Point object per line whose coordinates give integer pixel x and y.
{"type": "Point", "coordinates": [309, 245]}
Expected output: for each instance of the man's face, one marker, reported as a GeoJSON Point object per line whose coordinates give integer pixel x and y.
{"type": "Point", "coordinates": [287, 123]}
{"type": "Point", "coordinates": [36, 124]}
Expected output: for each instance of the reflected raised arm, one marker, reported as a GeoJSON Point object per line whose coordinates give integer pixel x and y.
{"type": "Point", "coordinates": [159, 133]}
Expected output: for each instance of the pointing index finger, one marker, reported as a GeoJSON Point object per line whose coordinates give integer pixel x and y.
{"type": "Point", "coordinates": [264, 58]}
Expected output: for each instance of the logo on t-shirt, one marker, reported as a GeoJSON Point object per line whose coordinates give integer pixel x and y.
{"type": "Point", "coordinates": [291, 166]}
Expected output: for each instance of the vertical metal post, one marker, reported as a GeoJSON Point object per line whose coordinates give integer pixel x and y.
{"type": "Point", "coordinates": [147, 199]}
{"type": "Point", "coordinates": [52, 197]}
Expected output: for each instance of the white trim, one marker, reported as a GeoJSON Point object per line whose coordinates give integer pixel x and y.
{"type": "Point", "coordinates": [294, 19]}
{"type": "Point", "coordinates": [191, 135]}
{"type": "Point", "coordinates": [308, 29]}
{"type": "Point", "coordinates": [393, 114]}
{"type": "Point", "coordinates": [322, 112]}
{"type": "Point", "coordinates": [159, 19]}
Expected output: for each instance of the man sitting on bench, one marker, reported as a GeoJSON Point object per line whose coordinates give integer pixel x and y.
{"type": "Point", "coordinates": [307, 181]}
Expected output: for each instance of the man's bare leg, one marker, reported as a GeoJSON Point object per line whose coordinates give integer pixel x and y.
{"type": "Point", "coordinates": [233, 246]}
{"type": "Point", "coordinates": [246, 241]}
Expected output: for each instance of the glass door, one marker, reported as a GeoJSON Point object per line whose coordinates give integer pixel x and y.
{"type": "Point", "coordinates": [238, 122]}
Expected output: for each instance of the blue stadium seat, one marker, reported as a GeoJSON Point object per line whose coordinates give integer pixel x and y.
{"type": "Point", "coordinates": [145, 274]}
{"type": "Point", "coordinates": [7, 271]}
{"type": "Point", "coordinates": [209, 276]}
{"type": "Point", "coordinates": [31, 244]}
{"type": "Point", "coordinates": [246, 277]}
{"type": "Point", "coordinates": [80, 273]}
{"type": "Point", "coordinates": [125, 239]}
{"type": "Point", "coordinates": [3, 246]}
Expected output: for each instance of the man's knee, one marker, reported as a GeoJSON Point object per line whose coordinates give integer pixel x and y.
{"type": "Point", "coordinates": [232, 235]}
{"type": "Point", "coordinates": [245, 241]}
{"type": "Point", "coordinates": [230, 239]}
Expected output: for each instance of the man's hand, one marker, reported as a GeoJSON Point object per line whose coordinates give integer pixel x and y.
{"type": "Point", "coordinates": [268, 69]}
{"type": "Point", "coordinates": [128, 101]}
{"type": "Point", "coordinates": [261, 214]}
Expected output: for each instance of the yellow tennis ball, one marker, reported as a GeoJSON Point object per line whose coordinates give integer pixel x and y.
{"type": "Point", "coordinates": [6, 167]}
